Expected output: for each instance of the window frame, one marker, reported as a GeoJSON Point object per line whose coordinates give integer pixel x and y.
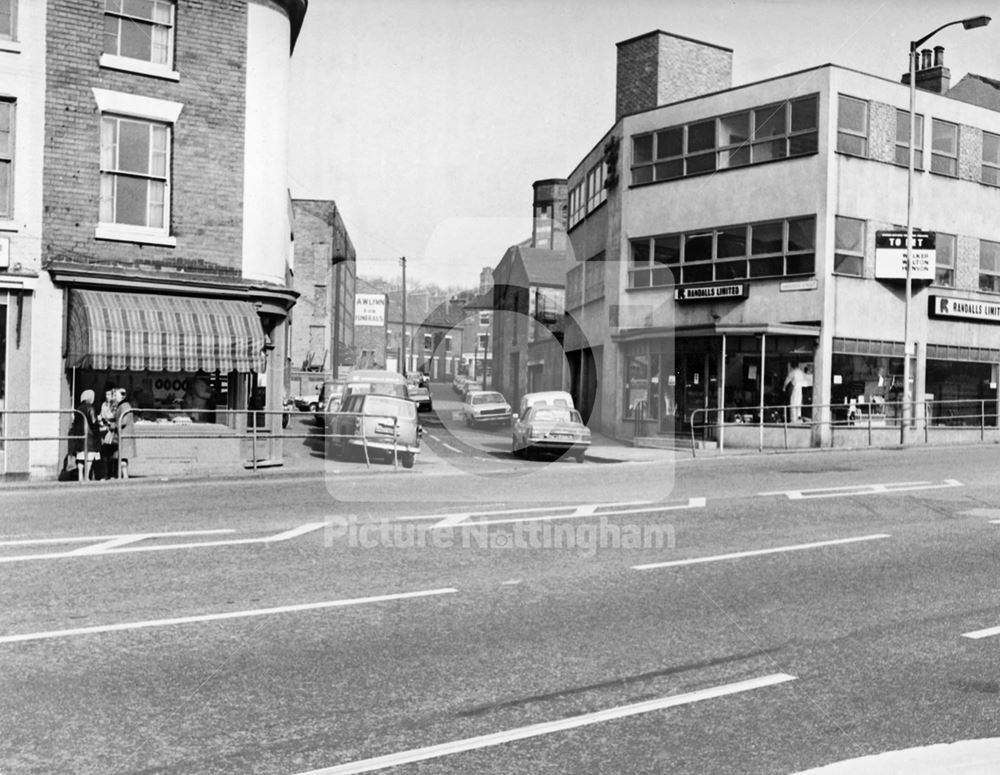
{"type": "Point", "coordinates": [7, 159]}
{"type": "Point", "coordinates": [994, 273]}
{"type": "Point", "coordinates": [841, 252]}
{"type": "Point", "coordinates": [672, 153]}
{"type": "Point", "coordinates": [844, 132]}
{"type": "Point", "coordinates": [939, 155]}
{"type": "Point", "coordinates": [9, 35]}
{"type": "Point", "coordinates": [993, 164]}
{"type": "Point", "coordinates": [904, 145]}
{"type": "Point", "coordinates": [671, 265]}
{"type": "Point", "coordinates": [131, 107]}
{"type": "Point", "coordinates": [944, 273]}
{"type": "Point", "coordinates": [117, 61]}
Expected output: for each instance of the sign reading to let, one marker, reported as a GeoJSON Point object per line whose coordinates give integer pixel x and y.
{"type": "Point", "coordinates": [369, 309]}
{"type": "Point", "coordinates": [890, 255]}
{"type": "Point", "coordinates": [712, 292]}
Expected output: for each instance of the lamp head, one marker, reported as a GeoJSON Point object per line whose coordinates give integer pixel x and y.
{"type": "Point", "coordinates": [975, 21]}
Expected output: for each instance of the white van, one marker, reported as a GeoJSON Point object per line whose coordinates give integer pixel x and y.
{"type": "Point", "coordinates": [546, 397]}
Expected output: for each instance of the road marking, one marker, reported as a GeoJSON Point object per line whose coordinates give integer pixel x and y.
{"type": "Point", "coordinates": [91, 539]}
{"type": "Point", "coordinates": [453, 449]}
{"type": "Point", "coordinates": [115, 546]}
{"type": "Point", "coordinates": [758, 552]}
{"type": "Point", "coordinates": [549, 727]}
{"type": "Point", "coordinates": [977, 634]}
{"type": "Point", "coordinates": [862, 489]}
{"type": "Point", "coordinates": [218, 617]}
{"type": "Point", "coordinates": [581, 512]}
{"type": "Point", "coordinates": [450, 520]}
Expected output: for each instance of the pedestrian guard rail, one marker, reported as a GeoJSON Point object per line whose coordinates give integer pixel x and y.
{"type": "Point", "coordinates": [849, 425]}
{"type": "Point", "coordinates": [251, 429]}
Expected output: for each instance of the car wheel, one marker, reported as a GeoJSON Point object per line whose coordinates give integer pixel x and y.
{"type": "Point", "coordinates": [313, 406]}
{"type": "Point", "coordinates": [406, 459]}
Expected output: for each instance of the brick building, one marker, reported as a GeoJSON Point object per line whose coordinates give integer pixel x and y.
{"type": "Point", "coordinates": [325, 271]}
{"type": "Point", "coordinates": [164, 242]}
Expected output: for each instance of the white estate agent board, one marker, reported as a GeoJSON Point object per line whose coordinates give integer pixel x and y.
{"type": "Point", "coordinates": [369, 309]}
{"type": "Point", "coordinates": [890, 255]}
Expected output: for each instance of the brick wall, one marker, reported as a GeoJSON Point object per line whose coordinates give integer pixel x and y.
{"type": "Point", "coordinates": [659, 68]}
{"type": "Point", "coordinates": [207, 151]}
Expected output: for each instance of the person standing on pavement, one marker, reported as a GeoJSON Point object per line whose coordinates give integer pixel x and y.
{"type": "Point", "coordinates": [124, 437]}
{"type": "Point", "coordinates": [107, 420]}
{"type": "Point", "coordinates": [85, 443]}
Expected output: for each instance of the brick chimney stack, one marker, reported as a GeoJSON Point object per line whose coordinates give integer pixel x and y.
{"type": "Point", "coordinates": [932, 75]}
{"type": "Point", "coordinates": [659, 68]}
{"type": "Point", "coordinates": [548, 226]}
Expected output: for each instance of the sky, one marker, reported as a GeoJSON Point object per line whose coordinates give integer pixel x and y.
{"type": "Point", "coordinates": [427, 121]}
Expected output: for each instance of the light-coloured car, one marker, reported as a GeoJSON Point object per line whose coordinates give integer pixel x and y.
{"type": "Point", "coordinates": [547, 428]}
{"type": "Point", "coordinates": [547, 398]}
{"type": "Point", "coordinates": [486, 407]}
{"type": "Point", "coordinates": [384, 425]}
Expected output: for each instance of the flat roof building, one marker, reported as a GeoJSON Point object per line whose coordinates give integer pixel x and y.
{"type": "Point", "coordinates": [725, 252]}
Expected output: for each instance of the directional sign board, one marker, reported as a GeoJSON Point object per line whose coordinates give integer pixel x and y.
{"type": "Point", "coordinates": [890, 255]}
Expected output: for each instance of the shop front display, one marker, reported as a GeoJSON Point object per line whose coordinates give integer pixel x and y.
{"type": "Point", "coordinates": [188, 368]}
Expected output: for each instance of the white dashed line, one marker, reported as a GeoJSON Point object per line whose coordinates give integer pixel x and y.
{"type": "Point", "coordinates": [862, 489]}
{"type": "Point", "coordinates": [549, 727]}
{"type": "Point", "coordinates": [32, 636]}
{"type": "Point", "coordinates": [759, 552]}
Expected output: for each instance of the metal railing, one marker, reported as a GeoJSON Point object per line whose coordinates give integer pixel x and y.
{"type": "Point", "coordinates": [251, 429]}
{"type": "Point", "coordinates": [878, 421]}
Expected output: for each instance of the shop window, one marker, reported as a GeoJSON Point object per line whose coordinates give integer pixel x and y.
{"type": "Point", "coordinates": [636, 393]}
{"type": "Point", "coordinates": [852, 126]}
{"type": "Point", "coordinates": [991, 159]}
{"type": "Point", "coordinates": [944, 272]}
{"type": "Point", "coordinates": [989, 266]}
{"type": "Point", "coordinates": [944, 148]}
{"type": "Point", "coordinates": [6, 159]}
{"type": "Point", "coordinates": [142, 30]}
{"type": "Point", "coordinates": [849, 256]}
{"type": "Point", "coordinates": [7, 8]}
{"type": "Point", "coordinates": [903, 140]}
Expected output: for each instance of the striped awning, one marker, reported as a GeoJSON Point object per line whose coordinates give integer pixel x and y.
{"type": "Point", "coordinates": [139, 332]}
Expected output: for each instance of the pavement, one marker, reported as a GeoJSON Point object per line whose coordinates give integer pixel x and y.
{"type": "Point", "coordinates": [966, 757]}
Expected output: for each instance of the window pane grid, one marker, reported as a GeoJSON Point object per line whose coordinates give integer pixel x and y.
{"type": "Point", "coordinates": [903, 140]}
{"type": "Point", "coordinates": [991, 159]}
{"type": "Point", "coordinates": [944, 148]}
{"type": "Point", "coordinates": [989, 266]}
{"type": "Point", "coordinates": [782, 130]}
{"type": "Point", "coordinates": [849, 247]}
{"type": "Point", "coordinates": [852, 126]}
{"type": "Point", "coordinates": [773, 249]}
{"type": "Point", "coordinates": [139, 29]}
{"type": "Point", "coordinates": [944, 271]}
{"type": "Point", "coordinates": [134, 167]}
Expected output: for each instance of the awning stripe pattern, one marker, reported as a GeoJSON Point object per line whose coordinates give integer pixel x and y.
{"type": "Point", "coordinates": [140, 332]}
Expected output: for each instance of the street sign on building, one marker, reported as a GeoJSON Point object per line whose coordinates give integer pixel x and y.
{"type": "Point", "coordinates": [369, 309]}
{"type": "Point", "coordinates": [890, 255]}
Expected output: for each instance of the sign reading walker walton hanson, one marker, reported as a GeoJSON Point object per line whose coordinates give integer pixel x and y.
{"type": "Point", "coordinates": [711, 292]}
{"type": "Point", "coordinates": [967, 309]}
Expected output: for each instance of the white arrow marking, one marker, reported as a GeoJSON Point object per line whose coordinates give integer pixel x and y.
{"type": "Point", "coordinates": [862, 489]}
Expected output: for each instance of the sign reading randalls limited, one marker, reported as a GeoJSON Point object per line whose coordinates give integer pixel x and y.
{"type": "Point", "coordinates": [711, 292]}
{"type": "Point", "coordinates": [967, 309]}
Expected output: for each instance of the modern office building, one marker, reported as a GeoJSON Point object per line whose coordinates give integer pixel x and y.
{"type": "Point", "coordinates": [148, 245]}
{"type": "Point", "coordinates": [725, 245]}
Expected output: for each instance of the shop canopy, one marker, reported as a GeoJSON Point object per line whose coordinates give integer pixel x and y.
{"type": "Point", "coordinates": [147, 332]}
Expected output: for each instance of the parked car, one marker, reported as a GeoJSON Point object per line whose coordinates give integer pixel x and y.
{"type": "Point", "coordinates": [421, 396]}
{"type": "Point", "coordinates": [545, 397]}
{"type": "Point", "coordinates": [328, 390]}
{"type": "Point", "coordinates": [308, 402]}
{"type": "Point", "coordinates": [458, 383]}
{"type": "Point", "coordinates": [547, 428]}
{"type": "Point", "coordinates": [387, 383]}
{"type": "Point", "coordinates": [385, 425]}
{"type": "Point", "coordinates": [486, 407]}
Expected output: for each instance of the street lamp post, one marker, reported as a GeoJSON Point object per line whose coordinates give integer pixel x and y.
{"type": "Point", "coordinates": [970, 23]}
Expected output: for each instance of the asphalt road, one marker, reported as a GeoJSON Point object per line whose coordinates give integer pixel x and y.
{"type": "Point", "coordinates": [800, 609]}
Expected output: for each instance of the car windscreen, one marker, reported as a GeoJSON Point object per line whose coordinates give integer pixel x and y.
{"type": "Point", "coordinates": [487, 398]}
{"type": "Point", "coordinates": [378, 405]}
